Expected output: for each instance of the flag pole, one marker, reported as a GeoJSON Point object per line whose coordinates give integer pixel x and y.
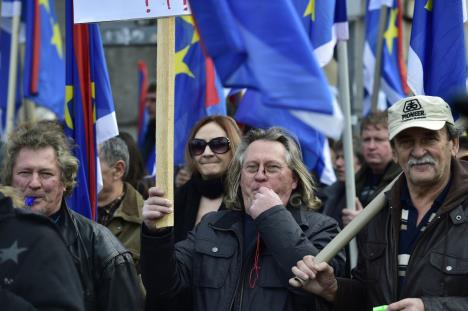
{"type": "Point", "coordinates": [378, 57]}
{"type": "Point", "coordinates": [343, 84]}
{"type": "Point", "coordinates": [13, 68]}
{"type": "Point", "coordinates": [165, 112]}
{"type": "Point", "coordinates": [353, 228]}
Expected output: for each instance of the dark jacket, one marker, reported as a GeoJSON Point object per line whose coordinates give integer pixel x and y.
{"type": "Point", "coordinates": [186, 203]}
{"type": "Point", "coordinates": [106, 268]}
{"type": "Point", "coordinates": [212, 262]}
{"type": "Point", "coordinates": [438, 268]}
{"type": "Point", "coordinates": [391, 172]}
{"type": "Point", "coordinates": [36, 270]}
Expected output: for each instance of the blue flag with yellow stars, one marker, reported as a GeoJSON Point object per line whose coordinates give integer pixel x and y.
{"type": "Point", "coordinates": [318, 20]}
{"type": "Point", "coordinates": [262, 45]}
{"type": "Point", "coordinates": [392, 80]}
{"type": "Point", "coordinates": [198, 92]}
{"type": "Point", "coordinates": [314, 145]}
{"type": "Point", "coordinates": [44, 60]}
{"type": "Point", "coordinates": [436, 58]}
{"type": "Point", "coordinates": [89, 109]}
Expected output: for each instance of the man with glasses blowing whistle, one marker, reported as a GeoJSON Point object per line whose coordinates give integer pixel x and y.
{"type": "Point", "coordinates": [415, 250]}
{"type": "Point", "coordinates": [239, 258]}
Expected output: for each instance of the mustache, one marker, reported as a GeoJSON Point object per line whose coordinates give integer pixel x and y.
{"type": "Point", "coordinates": [427, 159]}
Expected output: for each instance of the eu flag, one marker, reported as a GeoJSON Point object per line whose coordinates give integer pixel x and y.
{"type": "Point", "coordinates": [89, 109]}
{"type": "Point", "coordinates": [44, 60]}
{"type": "Point", "coordinates": [392, 82]}
{"type": "Point", "coordinates": [436, 58]}
{"type": "Point", "coordinates": [318, 20]}
{"type": "Point", "coordinates": [315, 149]}
{"type": "Point", "coordinates": [198, 92]}
{"type": "Point", "coordinates": [262, 45]}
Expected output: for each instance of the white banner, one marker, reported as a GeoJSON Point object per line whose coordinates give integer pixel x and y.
{"type": "Point", "coordinates": [89, 11]}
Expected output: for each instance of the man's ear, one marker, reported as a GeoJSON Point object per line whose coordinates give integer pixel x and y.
{"type": "Point", "coordinates": [119, 172]}
{"type": "Point", "coordinates": [455, 145]}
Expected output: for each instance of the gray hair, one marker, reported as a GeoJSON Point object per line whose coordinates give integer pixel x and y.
{"type": "Point", "coordinates": [113, 150]}
{"type": "Point", "coordinates": [453, 131]}
{"type": "Point", "coordinates": [303, 195]}
{"type": "Point", "coordinates": [40, 135]}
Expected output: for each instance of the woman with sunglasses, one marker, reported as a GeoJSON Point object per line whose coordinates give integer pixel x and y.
{"type": "Point", "coordinates": [208, 153]}
{"type": "Point", "coordinates": [210, 148]}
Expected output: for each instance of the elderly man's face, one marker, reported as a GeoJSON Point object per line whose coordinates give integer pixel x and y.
{"type": "Point", "coordinates": [265, 165]}
{"type": "Point", "coordinates": [424, 155]}
{"type": "Point", "coordinates": [36, 173]}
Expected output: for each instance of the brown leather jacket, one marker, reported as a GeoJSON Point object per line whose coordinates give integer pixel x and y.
{"type": "Point", "coordinates": [438, 269]}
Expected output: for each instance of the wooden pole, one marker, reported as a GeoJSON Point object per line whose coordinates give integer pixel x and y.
{"type": "Point", "coordinates": [165, 112]}
{"type": "Point", "coordinates": [343, 84]}
{"type": "Point", "coordinates": [13, 68]}
{"type": "Point", "coordinates": [378, 58]}
{"type": "Point", "coordinates": [353, 228]}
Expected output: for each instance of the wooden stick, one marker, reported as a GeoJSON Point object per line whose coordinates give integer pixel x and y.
{"type": "Point", "coordinates": [165, 112]}
{"type": "Point", "coordinates": [343, 86]}
{"type": "Point", "coordinates": [353, 228]}
{"type": "Point", "coordinates": [13, 67]}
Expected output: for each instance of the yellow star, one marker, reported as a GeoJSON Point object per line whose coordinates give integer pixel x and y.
{"type": "Point", "coordinates": [428, 5]}
{"type": "Point", "coordinates": [57, 40]}
{"type": "Point", "coordinates": [180, 66]}
{"type": "Point", "coordinates": [310, 10]}
{"type": "Point", "coordinates": [45, 3]}
{"type": "Point", "coordinates": [68, 98]}
{"type": "Point", "coordinates": [189, 19]}
{"type": "Point", "coordinates": [392, 31]}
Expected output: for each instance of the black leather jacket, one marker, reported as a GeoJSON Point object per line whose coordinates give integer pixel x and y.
{"type": "Point", "coordinates": [211, 261]}
{"type": "Point", "coordinates": [36, 270]}
{"type": "Point", "coordinates": [438, 269]}
{"type": "Point", "coordinates": [106, 268]}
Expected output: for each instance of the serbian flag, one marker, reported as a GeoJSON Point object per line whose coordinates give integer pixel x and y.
{"type": "Point", "coordinates": [142, 91]}
{"type": "Point", "coordinates": [89, 109]}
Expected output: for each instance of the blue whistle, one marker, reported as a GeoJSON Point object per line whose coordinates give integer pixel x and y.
{"type": "Point", "coordinates": [29, 201]}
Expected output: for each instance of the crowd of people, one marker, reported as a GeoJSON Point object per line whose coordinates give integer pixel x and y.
{"type": "Point", "coordinates": [249, 220]}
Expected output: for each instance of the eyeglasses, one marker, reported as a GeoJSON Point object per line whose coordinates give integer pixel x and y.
{"type": "Point", "coordinates": [218, 145]}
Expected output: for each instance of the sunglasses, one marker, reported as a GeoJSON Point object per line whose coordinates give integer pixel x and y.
{"type": "Point", "coordinates": [218, 145]}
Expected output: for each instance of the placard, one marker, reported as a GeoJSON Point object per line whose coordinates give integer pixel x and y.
{"type": "Point", "coordinates": [89, 11]}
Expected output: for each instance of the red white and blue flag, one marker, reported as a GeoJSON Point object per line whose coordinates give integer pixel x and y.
{"type": "Point", "coordinates": [89, 109]}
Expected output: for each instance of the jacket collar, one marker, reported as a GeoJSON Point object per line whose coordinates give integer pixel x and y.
{"type": "Point", "coordinates": [68, 227]}
{"type": "Point", "coordinates": [130, 208]}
